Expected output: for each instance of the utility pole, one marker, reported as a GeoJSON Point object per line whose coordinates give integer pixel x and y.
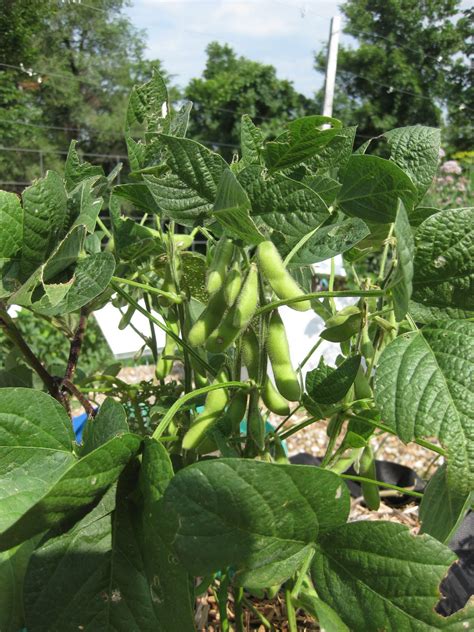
{"type": "Point", "coordinates": [331, 65]}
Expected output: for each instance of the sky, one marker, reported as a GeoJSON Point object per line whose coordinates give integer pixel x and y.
{"type": "Point", "coordinates": [282, 33]}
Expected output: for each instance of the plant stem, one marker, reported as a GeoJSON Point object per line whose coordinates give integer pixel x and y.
{"type": "Point", "coordinates": [383, 261]}
{"type": "Point", "coordinates": [154, 344]}
{"type": "Point", "coordinates": [238, 610]}
{"type": "Point", "coordinates": [222, 595]}
{"type": "Point", "coordinates": [187, 397]}
{"type": "Point", "coordinates": [104, 228]}
{"type": "Point", "coordinates": [298, 427]}
{"type": "Point", "coordinates": [362, 479]}
{"type": "Point", "coordinates": [332, 277]}
{"type": "Point", "coordinates": [166, 329]}
{"type": "Point", "coordinates": [309, 354]}
{"type": "Point", "coordinates": [300, 244]}
{"type": "Point", "coordinates": [265, 622]}
{"type": "Point", "coordinates": [76, 345]}
{"type": "Point", "coordinates": [290, 610]}
{"type": "Point", "coordinates": [290, 414]}
{"type": "Point", "coordinates": [302, 574]}
{"type": "Point", "coordinates": [14, 334]}
{"type": "Point", "coordinates": [73, 390]}
{"type": "Point", "coordinates": [312, 295]}
{"type": "Point", "coordinates": [174, 298]}
{"type": "Point", "coordinates": [421, 442]}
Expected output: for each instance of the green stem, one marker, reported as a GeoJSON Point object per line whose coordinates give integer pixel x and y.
{"type": "Point", "coordinates": [238, 610]}
{"type": "Point", "coordinates": [265, 622]}
{"type": "Point", "coordinates": [104, 228]}
{"type": "Point", "coordinates": [300, 244]}
{"type": "Point", "coordinates": [315, 295]}
{"type": "Point", "coordinates": [309, 354]}
{"type": "Point", "coordinates": [179, 341]}
{"type": "Point", "coordinates": [332, 277]}
{"type": "Point", "coordinates": [289, 416]}
{"type": "Point", "coordinates": [174, 298]}
{"type": "Point", "coordinates": [302, 574]}
{"type": "Point", "coordinates": [154, 344]}
{"type": "Point", "coordinates": [187, 397]}
{"type": "Point", "coordinates": [383, 260]}
{"type": "Point", "coordinates": [363, 479]}
{"type": "Point", "coordinates": [421, 442]}
{"type": "Point", "coordinates": [298, 427]}
{"type": "Point", "coordinates": [290, 610]}
{"type": "Point", "coordinates": [222, 595]}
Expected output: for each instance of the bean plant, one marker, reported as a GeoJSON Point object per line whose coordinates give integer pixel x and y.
{"type": "Point", "coordinates": [124, 528]}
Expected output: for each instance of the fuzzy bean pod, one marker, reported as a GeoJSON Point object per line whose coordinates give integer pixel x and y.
{"type": "Point", "coordinates": [214, 406]}
{"type": "Point", "coordinates": [164, 364]}
{"type": "Point", "coordinates": [208, 320]}
{"type": "Point", "coordinates": [279, 353]}
{"type": "Point", "coordinates": [239, 315]}
{"type": "Point", "coordinates": [232, 285]}
{"type": "Point", "coordinates": [270, 396]}
{"type": "Point", "coordinates": [221, 260]}
{"type": "Point", "coordinates": [280, 280]}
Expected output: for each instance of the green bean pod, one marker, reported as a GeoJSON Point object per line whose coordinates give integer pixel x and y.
{"type": "Point", "coordinates": [239, 315]}
{"type": "Point", "coordinates": [255, 423]}
{"type": "Point", "coordinates": [208, 320]}
{"type": "Point", "coordinates": [280, 280]}
{"type": "Point", "coordinates": [279, 353]}
{"type": "Point", "coordinates": [232, 285]}
{"type": "Point", "coordinates": [362, 388]}
{"type": "Point", "coordinates": [366, 345]}
{"type": "Point", "coordinates": [164, 364]}
{"type": "Point", "coordinates": [214, 406]}
{"type": "Point", "coordinates": [221, 260]}
{"type": "Point", "coordinates": [370, 491]}
{"type": "Point", "coordinates": [230, 422]}
{"type": "Point", "coordinates": [270, 396]}
{"type": "Point", "coordinates": [343, 325]}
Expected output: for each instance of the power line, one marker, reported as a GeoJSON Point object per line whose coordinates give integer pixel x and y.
{"type": "Point", "coordinates": [37, 150]}
{"type": "Point", "coordinates": [55, 127]}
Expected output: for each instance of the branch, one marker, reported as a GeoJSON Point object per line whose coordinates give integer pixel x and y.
{"type": "Point", "coordinates": [76, 345]}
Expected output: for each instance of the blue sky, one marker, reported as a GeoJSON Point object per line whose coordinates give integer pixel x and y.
{"type": "Point", "coordinates": [284, 34]}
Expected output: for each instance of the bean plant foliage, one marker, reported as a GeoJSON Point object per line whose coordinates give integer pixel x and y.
{"type": "Point", "coordinates": [125, 528]}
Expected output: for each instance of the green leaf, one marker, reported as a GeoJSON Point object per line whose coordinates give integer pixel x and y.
{"type": "Point", "coordinates": [75, 171]}
{"type": "Point", "coordinates": [303, 140]}
{"type": "Point", "coordinates": [149, 105]}
{"type": "Point", "coordinates": [109, 422]}
{"type": "Point", "coordinates": [260, 518]}
{"type": "Point", "coordinates": [285, 205]}
{"type": "Point", "coordinates": [325, 187]}
{"type": "Point", "coordinates": [415, 149]}
{"type": "Point", "coordinates": [138, 194]}
{"type": "Point", "coordinates": [428, 313]}
{"type": "Point", "coordinates": [128, 579]}
{"type": "Point", "coordinates": [136, 153]}
{"type": "Point", "coordinates": [326, 385]}
{"type": "Point", "coordinates": [377, 576]}
{"type": "Point", "coordinates": [231, 209]}
{"type": "Point", "coordinates": [11, 225]}
{"type": "Point", "coordinates": [329, 241]}
{"type": "Point", "coordinates": [188, 191]}
{"type": "Point", "coordinates": [41, 480]}
{"type": "Point", "coordinates": [17, 376]}
{"type": "Point", "coordinates": [442, 508]}
{"type": "Point", "coordinates": [85, 205]}
{"type": "Point", "coordinates": [44, 220]}
{"type": "Point", "coordinates": [402, 282]}
{"type": "Point", "coordinates": [336, 153]}
{"type": "Point", "coordinates": [180, 120]}
{"type": "Point", "coordinates": [371, 187]}
{"type": "Point", "coordinates": [423, 387]}
{"type": "Point", "coordinates": [444, 260]}
{"type": "Point", "coordinates": [251, 140]}
{"type": "Point", "coordinates": [13, 565]}
{"type": "Point", "coordinates": [327, 618]}
{"type": "Point", "coordinates": [420, 213]}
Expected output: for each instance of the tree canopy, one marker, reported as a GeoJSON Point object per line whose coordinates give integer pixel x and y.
{"type": "Point", "coordinates": [410, 66]}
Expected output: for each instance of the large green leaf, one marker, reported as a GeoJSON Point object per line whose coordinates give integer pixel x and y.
{"type": "Point", "coordinates": [429, 313]}
{"type": "Point", "coordinates": [11, 225]}
{"type": "Point", "coordinates": [251, 141]}
{"type": "Point", "coordinates": [423, 387]}
{"type": "Point", "coordinates": [416, 150]}
{"type": "Point", "coordinates": [324, 186]}
{"type": "Point", "coordinates": [326, 385]}
{"type": "Point", "coordinates": [336, 153]}
{"type": "Point", "coordinates": [329, 241]}
{"type": "Point", "coordinates": [442, 507]}
{"type": "Point", "coordinates": [139, 195]}
{"type": "Point", "coordinates": [110, 421]}
{"type": "Point", "coordinates": [232, 210]}
{"type": "Point", "coordinates": [283, 204]}
{"type": "Point", "coordinates": [377, 576]}
{"type": "Point", "coordinates": [13, 565]}
{"type": "Point", "coordinates": [188, 191]}
{"type": "Point", "coordinates": [402, 281]}
{"type": "Point", "coordinates": [444, 260]}
{"type": "Point", "coordinates": [259, 518]}
{"type": "Point", "coordinates": [371, 188]}
{"type": "Point", "coordinates": [127, 579]}
{"type": "Point", "coordinates": [149, 105]}
{"type": "Point", "coordinates": [44, 220]}
{"type": "Point", "coordinates": [41, 481]}
{"type": "Point", "coordinates": [303, 140]}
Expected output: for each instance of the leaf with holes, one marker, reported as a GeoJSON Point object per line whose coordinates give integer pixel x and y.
{"type": "Point", "coordinates": [11, 225]}
{"type": "Point", "coordinates": [423, 387]}
{"type": "Point", "coordinates": [378, 576]}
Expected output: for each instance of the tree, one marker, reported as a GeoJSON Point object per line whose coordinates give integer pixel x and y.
{"type": "Point", "coordinates": [69, 66]}
{"type": "Point", "coordinates": [233, 85]}
{"type": "Point", "coordinates": [409, 65]}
